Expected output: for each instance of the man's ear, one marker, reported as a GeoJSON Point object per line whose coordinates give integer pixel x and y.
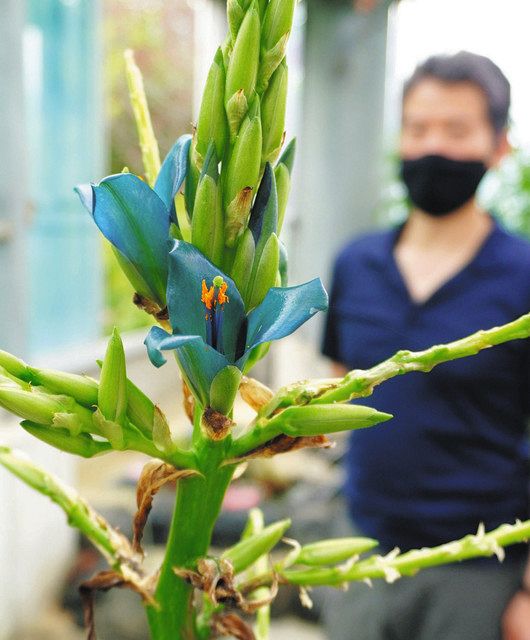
{"type": "Point", "coordinates": [502, 148]}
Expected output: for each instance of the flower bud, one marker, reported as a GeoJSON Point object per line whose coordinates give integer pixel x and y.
{"type": "Point", "coordinates": [245, 553]}
{"type": "Point", "coordinates": [148, 143]}
{"type": "Point", "coordinates": [236, 109]}
{"type": "Point", "coordinates": [244, 59]}
{"type": "Point", "coordinates": [207, 226]}
{"type": "Point", "coordinates": [14, 365]}
{"type": "Point", "coordinates": [242, 266]}
{"type": "Point", "coordinates": [273, 107]}
{"type": "Point", "coordinates": [283, 186]}
{"type": "Point", "coordinates": [212, 124]}
{"type": "Point", "coordinates": [223, 389]}
{"type": "Point", "coordinates": [112, 394]}
{"type": "Point", "coordinates": [287, 157]}
{"type": "Point", "coordinates": [265, 273]}
{"type": "Point", "coordinates": [312, 420]}
{"type": "Point", "coordinates": [44, 408]}
{"type": "Point", "coordinates": [162, 433]}
{"type": "Point", "coordinates": [81, 445]}
{"type": "Point", "coordinates": [270, 59]}
{"type": "Point", "coordinates": [242, 177]}
{"type": "Point", "coordinates": [277, 22]}
{"type": "Point", "coordinates": [109, 429]}
{"type": "Point", "coordinates": [334, 551]}
{"type": "Point", "coordinates": [83, 389]}
{"type": "Point", "coordinates": [235, 11]}
{"type": "Point", "coordinates": [140, 409]}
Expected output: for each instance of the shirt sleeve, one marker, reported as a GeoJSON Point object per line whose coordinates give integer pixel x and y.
{"type": "Point", "coordinates": [330, 342]}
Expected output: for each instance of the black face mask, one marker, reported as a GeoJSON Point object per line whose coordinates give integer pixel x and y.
{"type": "Point", "coordinates": [438, 185]}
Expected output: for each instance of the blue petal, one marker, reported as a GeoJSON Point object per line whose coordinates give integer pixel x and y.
{"type": "Point", "coordinates": [86, 195]}
{"type": "Point", "coordinates": [199, 363]}
{"type": "Point", "coordinates": [283, 311]}
{"type": "Point", "coordinates": [134, 219]}
{"type": "Point", "coordinates": [173, 171]}
{"type": "Point", "coordinates": [264, 214]}
{"type": "Point", "coordinates": [187, 269]}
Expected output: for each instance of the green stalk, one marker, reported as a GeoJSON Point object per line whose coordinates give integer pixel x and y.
{"type": "Point", "coordinates": [360, 383]}
{"type": "Point", "coordinates": [395, 565]}
{"type": "Point", "coordinates": [197, 506]}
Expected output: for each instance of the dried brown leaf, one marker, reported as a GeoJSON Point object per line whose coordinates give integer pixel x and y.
{"type": "Point", "coordinates": [154, 476]}
{"type": "Point", "coordinates": [254, 393]}
{"type": "Point", "coordinates": [231, 625]}
{"type": "Point", "coordinates": [104, 581]}
{"type": "Point", "coordinates": [215, 425]}
{"type": "Point", "coordinates": [283, 444]}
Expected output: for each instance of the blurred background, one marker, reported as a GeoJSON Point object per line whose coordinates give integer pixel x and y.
{"type": "Point", "coordinates": [65, 119]}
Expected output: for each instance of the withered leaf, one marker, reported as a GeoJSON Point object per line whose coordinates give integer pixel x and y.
{"type": "Point", "coordinates": [215, 425]}
{"type": "Point", "coordinates": [230, 624]}
{"type": "Point", "coordinates": [154, 476]}
{"type": "Point", "coordinates": [104, 581]}
{"type": "Point", "coordinates": [283, 444]}
{"type": "Point", "coordinates": [254, 393]}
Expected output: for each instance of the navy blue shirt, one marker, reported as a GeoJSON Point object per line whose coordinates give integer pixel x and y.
{"type": "Point", "coordinates": [455, 454]}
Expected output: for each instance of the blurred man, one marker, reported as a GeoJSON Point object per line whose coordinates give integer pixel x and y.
{"type": "Point", "coordinates": [456, 453]}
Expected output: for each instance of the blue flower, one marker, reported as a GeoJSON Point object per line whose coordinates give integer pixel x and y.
{"type": "Point", "coordinates": [135, 219]}
{"type": "Point", "coordinates": [210, 329]}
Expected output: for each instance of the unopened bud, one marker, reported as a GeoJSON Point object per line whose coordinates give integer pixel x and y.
{"type": "Point", "coordinates": [244, 59]}
{"type": "Point", "coordinates": [273, 108]}
{"type": "Point", "coordinates": [81, 445]}
{"type": "Point", "coordinates": [212, 124]}
{"type": "Point", "coordinates": [82, 388]}
{"type": "Point", "coordinates": [312, 420]}
{"type": "Point", "coordinates": [245, 553]}
{"type": "Point", "coordinates": [112, 394]}
{"type": "Point", "coordinates": [334, 551]}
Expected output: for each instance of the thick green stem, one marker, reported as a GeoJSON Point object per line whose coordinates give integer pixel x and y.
{"type": "Point", "coordinates": [198, 503]}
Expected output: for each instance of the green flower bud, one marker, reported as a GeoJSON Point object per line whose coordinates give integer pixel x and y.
{"type": "Point", "coordinates": [212, 124]}
{"type": "Point", "coordinates": [81, 445]}
{"type": "Point", "coordinates": [273, 108]}
{"type": "Point", "coordinates": [148, 142]}
{"type": "Point", "coordinates": [313, 420]}
{"type": "Point", "coordinates": [223, 389]}
{"type": "Point", "coordinates": [44, 408]}
{"type": "Point", "coordinates": [112, 394]}
{"type": "Point", "coordinates": [265, 273]}
{"type": "Point", "coordinates": [277, 22]}
{"type": "Point", "coordinates": [243, 261]}
{"type": "Point", "coordinates": [83, 389]}
{"type": "Point", "coordinates": [140, 409]}
{"type": "Point", "coordinates": [8, 379]}
{"type": "Point", "coordinates": [283, 186]}
{"type": "Point", "coordinates": [235, 11]}
{"type": "Point", "coordinates": [236, 109]}
{"type": "Point", "coordinates": [244, 59]}
{"type": "Point", "coordinates": [334, 551]}
{"type": "Point", "coordinates": [270, 59]}
{"type": "Point", "coordinates": [287, 157]}
{"type": "Point", "coordinates": [109, 429]}
{"type": "Point", "coordinates": [14, 365]}
{"type": "Point", "coordinates": [162, 433]}
{"type": "Point", "coordinates": [207, 227]}
{"type": "Point", "coordinates": [242, 177]}
{"type": "Point", "coordinates": [245, 553]}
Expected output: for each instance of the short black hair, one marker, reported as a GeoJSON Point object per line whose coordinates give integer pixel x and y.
{"type": "Point", "coordinates": [465, 66]}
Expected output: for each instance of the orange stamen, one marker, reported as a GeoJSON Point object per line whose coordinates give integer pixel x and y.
{"type": "Point", "coordinates": [207, 295]}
